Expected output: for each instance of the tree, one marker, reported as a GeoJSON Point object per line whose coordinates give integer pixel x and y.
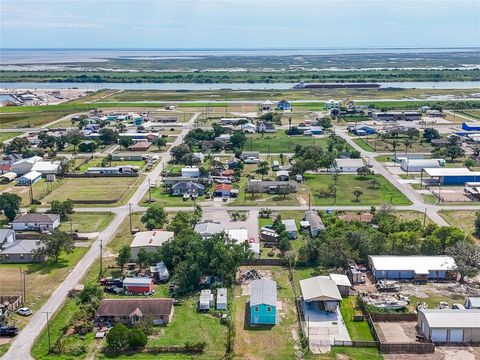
{"type": "Point", "coordinates": [87, 147]}
{"type": "Point", "coordinates": [469, 163]}
{"type": "Point", "coordinates": [62, 208]}
{"type": "Point", "coordinates": [154, 218]}
{"type": "Point", "coordinates": [123, 257]}
{"type": "Point", "coordinates": [108, 136]}
{"type": "Point", "coordinates": [92, 292]}
{"type": "Point", "coordinates": [262, 168]}
{"type": "Point", "coordinates": [467, 258]}
{"type": "Point", "coordinates": [53, 245]}
{"type": "Point", "coordinates": [117, 337]}
{"type": "Point", "coordinates": [178, 152]}
{"type": "Point", "coordinates": [373, 183]}
{"type": "Point", "coordinates": [394, 144]}
{"type": "Point", "coordinates": [160, 142]}
{"type": "Point", "coordinates": [238, 139]}
{"type": "Point", "coordinates": [477, 224]}
{"type": "Point", "coordinates": [143, 258]}
{"type": "Point", "coordinates": [408, 144]}
{"type": "Point", "coordinates": [357, 193]}
{"type": "Point", "coordinates": [74, 137]}
{"type": "Point", "coordinates": [364, 171]}
{"type": "Point", "coordinates": [455, 151]}
{"type": "Point", "coordinates": [10, 204]}
{"type": "Point", "coordinates": [136, 338]}
{"type": "Point", "coordinates": [430, 134]}
{"type": "Point", "coordinates": [126, 142]}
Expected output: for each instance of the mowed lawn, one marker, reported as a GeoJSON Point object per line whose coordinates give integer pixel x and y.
{"type": "Point", "coordinates": [266, 342]}
{"type": "Point", "coordinates": [94, 189]}
{"type": "Point", "coordinates": [85, 222]}
{"type": "Point", "coordinates": [383, 193]}
{"type": "Point", "coordinates": [463, 219]}
{"type": "Point", "coordinates": [358, 330]}
{"type": "Point", "coordinates": [280, 142]}
{"type": "Point", "coordinates": [8, 135]}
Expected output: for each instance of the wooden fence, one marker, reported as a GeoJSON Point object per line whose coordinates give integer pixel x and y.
{"type": "Point", "coordinates": [356, 343]}
{"type": "Point", "coordinates": [265, 262]}
{"type": "Point", "coordinates": [407, 348]}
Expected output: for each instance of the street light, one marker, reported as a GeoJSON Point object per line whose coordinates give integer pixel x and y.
{"type": "Point", "coordinates": [130, 215]}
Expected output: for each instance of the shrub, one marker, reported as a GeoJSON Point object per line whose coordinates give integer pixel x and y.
{"type": "Point", "coordinates": [117, 337]}
{"type": "Point", "coordinates": [136, 338]}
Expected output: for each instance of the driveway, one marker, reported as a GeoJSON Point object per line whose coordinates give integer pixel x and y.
{"type": "Point", "coordinates": [222, 216]}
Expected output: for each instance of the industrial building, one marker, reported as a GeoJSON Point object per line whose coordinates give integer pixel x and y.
{"type": "Point", "coordinates": [419, 268]}
{"type": "Point", "coordinates": [451, 176]}
{"type": "Point", "coordinates": [417, 165]}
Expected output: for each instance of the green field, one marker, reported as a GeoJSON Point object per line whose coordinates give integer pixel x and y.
{"type": "Point", "coordinates": [94, 189]}
{"type": "Point", "coordinates": [8, 135]}
{"type": "Point", "coordinates": [384, 193]}
{"type": "Point", "coordinates": [280, 142]}
{"type": "Point", "coordinates": [85, 222]}
{"type": "Point", "coordinates": [463, 219]}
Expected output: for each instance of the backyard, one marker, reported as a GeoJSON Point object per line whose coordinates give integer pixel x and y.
{"type": "Point", "coordinates": [85, 222]}
{"type": "Point", "coordinates": [383, 192]}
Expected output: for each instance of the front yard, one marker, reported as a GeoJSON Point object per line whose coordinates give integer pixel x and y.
{"type": "Point", "coordinates": [85, 222]}
{"type": "Point", "coordinates": [280, 142]}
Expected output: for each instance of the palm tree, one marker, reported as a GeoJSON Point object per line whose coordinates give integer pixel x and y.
{"type": "Point", "coordinates": [408, 143]}
{"type": "Point", "coordinates": [394, 145]}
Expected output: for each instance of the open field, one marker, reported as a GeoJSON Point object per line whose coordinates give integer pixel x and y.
{"type": "Point", "coordinates": [8, 135]}
{"type": "Point", "coordinates": [374, 144]}
{"type": "Point", "coordinates": [97, 162]}
{"type": "Point", "coordinates": [258, 342]}
{"type": "Point", "coordinates": [463, 219]}
{"type": "Point", "coordinates": [85, 222]}
{"type": "Point", "coordinates": [280, 142]}
{"type": "Point", "coordinates": [474, 113]}
{"type": "Point", "coordinates": [16, 118]}
{"type": "Point", "coordinates": [385, 192]}
{"type": "Point", "coordinates": [94, 189]}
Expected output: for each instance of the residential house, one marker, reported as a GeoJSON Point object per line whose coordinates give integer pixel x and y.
{"type": "Point", "coordinates": [233, 163]}
{"type": "Point", "coordinates": [449, 325]}
{"type": "Point", "coordinates": [138, 285]}
{"type": "Point", "coordinates": [36, 222]}
{"type": "Point", "coordinates": [7, 236]}
{"type": "Point", "coordinates": [240, 236]}
{"type": "Point", "coordinates": [222, 299]}
{"type": "Point", "coordinates": [313, 131]}
{"type": "Point", "coordinates": [223, 190]}
{"type": "Point", "coordinates": [132, 311]}
{"type": "Point", "coordinates": [271, 187]}
{"type": "Point", "coordinates": [315, 223]}
{"type": "Point", "coordinates": [206, 300]}
{"type": "Point", "coordinates": [24, 166]}
{"type": "Point", "coordinates": [290, 228]}
{"type": "Point", "coordinates": [46, 167]}
{"type": "Point", "coordinates": [332, 104]}
{"type": "Point", "coordinates": [149, 241]}
{"type": "Point", "coordinates": [248, 128]}
{"type": "Point", "coordinates": [189, 188]}
{"type": "Point", "coordinates": [263, 302]}
{"type": "Point", "coordinates": [231, 121]}
{"type": "Point", "coordinates": [320, 293]}
{"type": "Point", "coordinates": [418, 268]}
{"type": "Point", "coordinates": [250, 155]}
{"type": "Point", "coordinates": [223, 138]}
{"type": "Point", "coordinates": [347, 165]}
{"type": "Point", "coordinates": [284, 105]}
{"type": "Point", "coordinates": [5, 168]}
{"type": "Point", "coordinates": [267, 105]}
{"type": "Point", "coordinates": [20, 251]}
{"type": "Point", "coordinates": [207, 229]}
{"type": "Point", "coordinates": [190, 172]}
{"type": "Point", "coordinates": [29, 178]}
{"type": "Point", "coordinates": [113, 170]}
{"type": "Point", "coordinates": [172, 180]}
{"type": "Point", "coordinates": [265, 127]}
{"type": "Point", "coordinates": [140, 146]}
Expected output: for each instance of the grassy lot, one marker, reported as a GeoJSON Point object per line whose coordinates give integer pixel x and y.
{"type": "Point", "coordinates": [87, 222]}
{"type": "Point", "coordinates": [463, 219]}
{"type": "Point", "coordinates": [280, 142]}
{"type": "Point", "coordinates": [262, 342]}
{"type": "Point", "coordinates": [347, 353]}
{"type": "Point", "coordinates": [95, 189]}
{"type": "Point", "coordinates": [8, 135]}
{"type": "Point", "coordinates": [373, 143]}
{"type": "Point", "coordinates": [26, 116]}
{"type": "Point", "coordinates": [160, 197]}
{"type": "Point", "coordinates": [384, 193]}
{"type": "Point", "coordinates": [97, 162]}
{"type": "Point", "coordinates": [358, 330]}
{"type": "Point", "coordinates": [474, 113]}
{"type": "Point", "coordinates": [363, 144]}
{"type": "Point", "coordinates": [433, 300]}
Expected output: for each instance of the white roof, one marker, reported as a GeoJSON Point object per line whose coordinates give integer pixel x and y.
{"type": "Point", "coordinates": [283, 173]}
{"type": "Point", "coordinates": [31, 160]}
{"type": "Point", "coordinates": [290, 224]}
{"type": "Point", "coordinates": [222, 295]}
{"type": "Point", "coordinates": [46, 166]}
{"type": "Point", "coordinates": [340, 279]}
{"type": "Point", "coordinates": [190, 169]}
{"type": "Point", "coordinates": [349, 162]}
{"type": "Point", "coordinates": [267, 102]}
{"type": "Point", "coordinates": [208, 228]}
{"type": "Point", "coordinates": [319, 288]}
{"type": "Point", "coordinates": [32, 175]}
{"type": "Point", "coordinates": [452, 318]}
{"type": "Point", "coordinates": [474, 301]}
{"type": "Point", "coordinates": [426, 162]}
{"type": "Point", "coordinates": [137, 281]}
{"type": "Point", "coordinates": [436, 172]}
{"type": "Point", "coordinates": [153, 238]}
{"type": "Point", "coordinates": [239, 235]}
{"type": "Point", "coordinates": [332, 101]}
{"type": "Point", "coordinates": [419, 264]}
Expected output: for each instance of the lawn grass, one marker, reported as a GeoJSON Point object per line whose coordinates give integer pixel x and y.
{"type": "Point", "coordinates": [280, 142]}
{"type": "Point", "coordinates": [462, 219]}
{"type": "Point", "coordinates": [95, 189]}
{"type": "Point", "coordinates": [8, 135]}
{"type": "Point", "coordinates": [85, 222]}
{"type": "Point", "coordinates": [364, 145]}
{"type": "Point", "coordinates": [347, 353]}
{"type": "Point", "coordinates": [264, 342]}
{"type": "Point", "coordinates": [358, 330]}
{"type": "Point", "coordinates": [374, 143]}
{"type": "Point", "coordinates": [97, 162]}
{"type": "Point", "coordinates": [160, 197]}
{"type": "Point", "coordinates": [346, 183]}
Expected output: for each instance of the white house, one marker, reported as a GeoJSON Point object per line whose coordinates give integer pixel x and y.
{"type": "Point", "coordinates": [248, 128]}
{"type": "Point", "coordinates": [149, 240]}
{"type": "Point", "coordinates": [267, 105]}
{"type": "Point", "coordinates": [24, 166]}
{"type": "Point", "coordinates": [29, 178]}
{"type": "Point", "coordinates": [332, 104]}
{"type": "Point", "coordinates": [347, 165]}
{"type": "Point", "coordinates": [46, 167]}
{"type": "Point", "coordinates": [190, 172]}
{"type": "Point", "coordinates": [208, 229]}
{"type": "Point", "coordinates": [290, 228]}
{"type": "Point", "coordinates": [36, 222]}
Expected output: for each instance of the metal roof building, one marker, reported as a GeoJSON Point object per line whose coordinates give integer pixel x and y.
{"type": "Point", "coordinates": [453, 176]}
{"type": "Point", "coordinates": [263, 292]}
{"type": "Point", "coordinates": [319, 288]}
{"type": "Point", "coordinates": [450, 325]}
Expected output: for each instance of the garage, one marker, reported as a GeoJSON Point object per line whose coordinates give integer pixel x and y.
{"type": "Point", "coordinates": [439, 335]}
{"type": "Point", "coordinates": [456, 335]}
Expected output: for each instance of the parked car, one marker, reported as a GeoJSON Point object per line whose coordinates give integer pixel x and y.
{"type": "Point", "coordinates": [8, 331]}
{"type": "Point", "coordinates": [114, 290]}
{"type": "Point", "coordinates": [24, 311]}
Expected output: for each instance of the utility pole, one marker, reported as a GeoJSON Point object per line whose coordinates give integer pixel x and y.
{"type": "Point", "coordinates": [149, 191]}
{"type": "Point", "coordinates": [31, 193]}
{"type": "Point", "coordinates": [309, 201]}
{"type": "Point", "coordinates": [101, 258]}
{"type": "Point", "coordinates": [130, 215]}
{"type": "Point", "coordinates": [71, 226]}
{"type": "Point", "coordinates": [424, 217]}
{"type": "Point", "coordinates": [48, 330]}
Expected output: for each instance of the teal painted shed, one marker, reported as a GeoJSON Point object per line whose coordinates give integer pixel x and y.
{"type": "Point", "coordinates": [263, 302]}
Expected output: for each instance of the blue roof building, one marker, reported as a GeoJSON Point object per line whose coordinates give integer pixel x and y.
{"type": "Point", "coordinates": [284, 105]}
{"type": "Point", "coordinates": [263, 302]}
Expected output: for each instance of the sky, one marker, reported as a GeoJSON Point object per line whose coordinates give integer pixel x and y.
{"type": "Point", "coordinates": [235, 24]}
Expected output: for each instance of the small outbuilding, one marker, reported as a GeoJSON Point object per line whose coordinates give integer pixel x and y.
{"type": "Point", "coordinates": [29, 178]}
{"type": "Point", "coordinates": [320, 293]}
{"type": "Point", "coordinates": [222, 299]}
{"type": "Point", "coordinates": [206, 300]}
{"type": "Point", "coordinates": [348, 165]}
{"type": "Point", "coordinates": [138, 285]}
{"type": "Point", "coordinates": [290, 228]}
{"type": "Point", "coordinates": [149, 240]}
{"type": "Point", "coordinates": [449, 325]}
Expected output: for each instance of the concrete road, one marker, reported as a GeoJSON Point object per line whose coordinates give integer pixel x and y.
{"type": "Point", "coordinates": [22, 344]}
